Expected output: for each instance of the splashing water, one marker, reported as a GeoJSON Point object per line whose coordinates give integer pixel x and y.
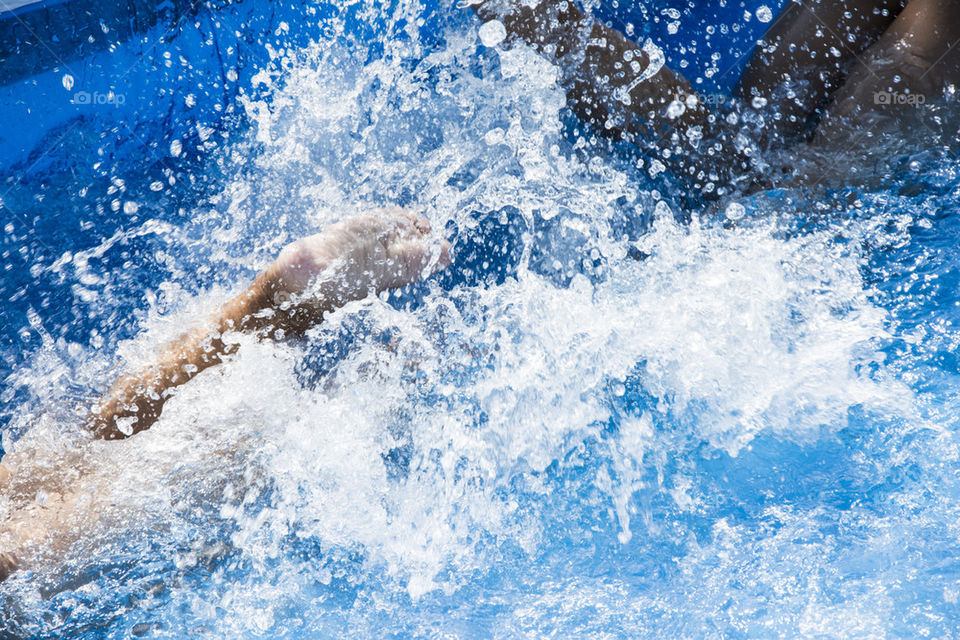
{"type": "Point", "coordinates": [602, 422]}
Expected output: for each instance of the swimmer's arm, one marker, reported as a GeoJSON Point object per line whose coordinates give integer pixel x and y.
{"type": "Point", "coordinates": [135, 401]}
{"type": "Point", "coordinates": [311, 277]}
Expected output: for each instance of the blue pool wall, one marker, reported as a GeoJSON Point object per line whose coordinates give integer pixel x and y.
{"type": "Point", "coordinates": [139, 69]}
{"type": "Point", "coordinates": [79, 59]}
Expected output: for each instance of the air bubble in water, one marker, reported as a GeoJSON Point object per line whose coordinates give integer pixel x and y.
{"type": "Point", "coordinates": [764, 14]}
{"type": "Point", "coordinates": [67, 81]}
{"type": "Point", "coordinates": [125, 425]}
{"type": "Point", "coordinates": [492, 33]}
{"type": "Point", "coordinates": [494, 136]}
{"type": "Point", "coordinates": [176, 147]}
{"type": "Point", "coordinates": [735, 211]}
{"type": "Point", "coordinates": [675, 109]}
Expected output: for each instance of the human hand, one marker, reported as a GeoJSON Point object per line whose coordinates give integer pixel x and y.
{"type": "Point", "coordinates": [350, 260]}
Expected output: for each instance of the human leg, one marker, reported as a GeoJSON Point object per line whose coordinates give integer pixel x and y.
{"type": "Point", "coordinates": [909, 66]}
{"type": "Point", "coordinates": [805, 55]}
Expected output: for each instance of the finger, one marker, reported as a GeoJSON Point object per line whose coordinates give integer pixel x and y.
{"type": "Point", "coordinates": [408, 222]}
{"type": "Point", "coordinates": [446, 256]}
{"type": "Point", "coordinates": [414, 257]}
{"type": "Point", "coordinates": [421, 223]}
{"type": "Point", "coordinates": [410, 258]}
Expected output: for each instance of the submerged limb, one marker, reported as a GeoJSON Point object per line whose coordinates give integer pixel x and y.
{"type": "Point", "coordinates": [910, 65]}
{"type": "Point", "coordinates": [78, 503]}
{"type": "Point", "coordinates": [312, 276]}
{"type": "Point", "coordinates": [625, 92]}
{"type": "Point", "coordinates": [612, 82]}
{"type": "Point", "coordinates": [805, 55]}
{"type": "Point", "coordinates": [799, 68]}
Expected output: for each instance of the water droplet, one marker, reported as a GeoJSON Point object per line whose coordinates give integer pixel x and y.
{"type": "Point", "coordinates": [494, 136]}
{"type": "Point", "coordinates": [735, 211]}
{"type": "Point", "coordinates": [492, 33]}
{"type": "Point", "coordinates": [125, 425]}
{"type": "Point", "coordinates": [675, 109]}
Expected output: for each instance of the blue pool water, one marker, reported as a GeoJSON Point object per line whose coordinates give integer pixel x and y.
{"type": "Point", "coordinates": [749, 432]}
